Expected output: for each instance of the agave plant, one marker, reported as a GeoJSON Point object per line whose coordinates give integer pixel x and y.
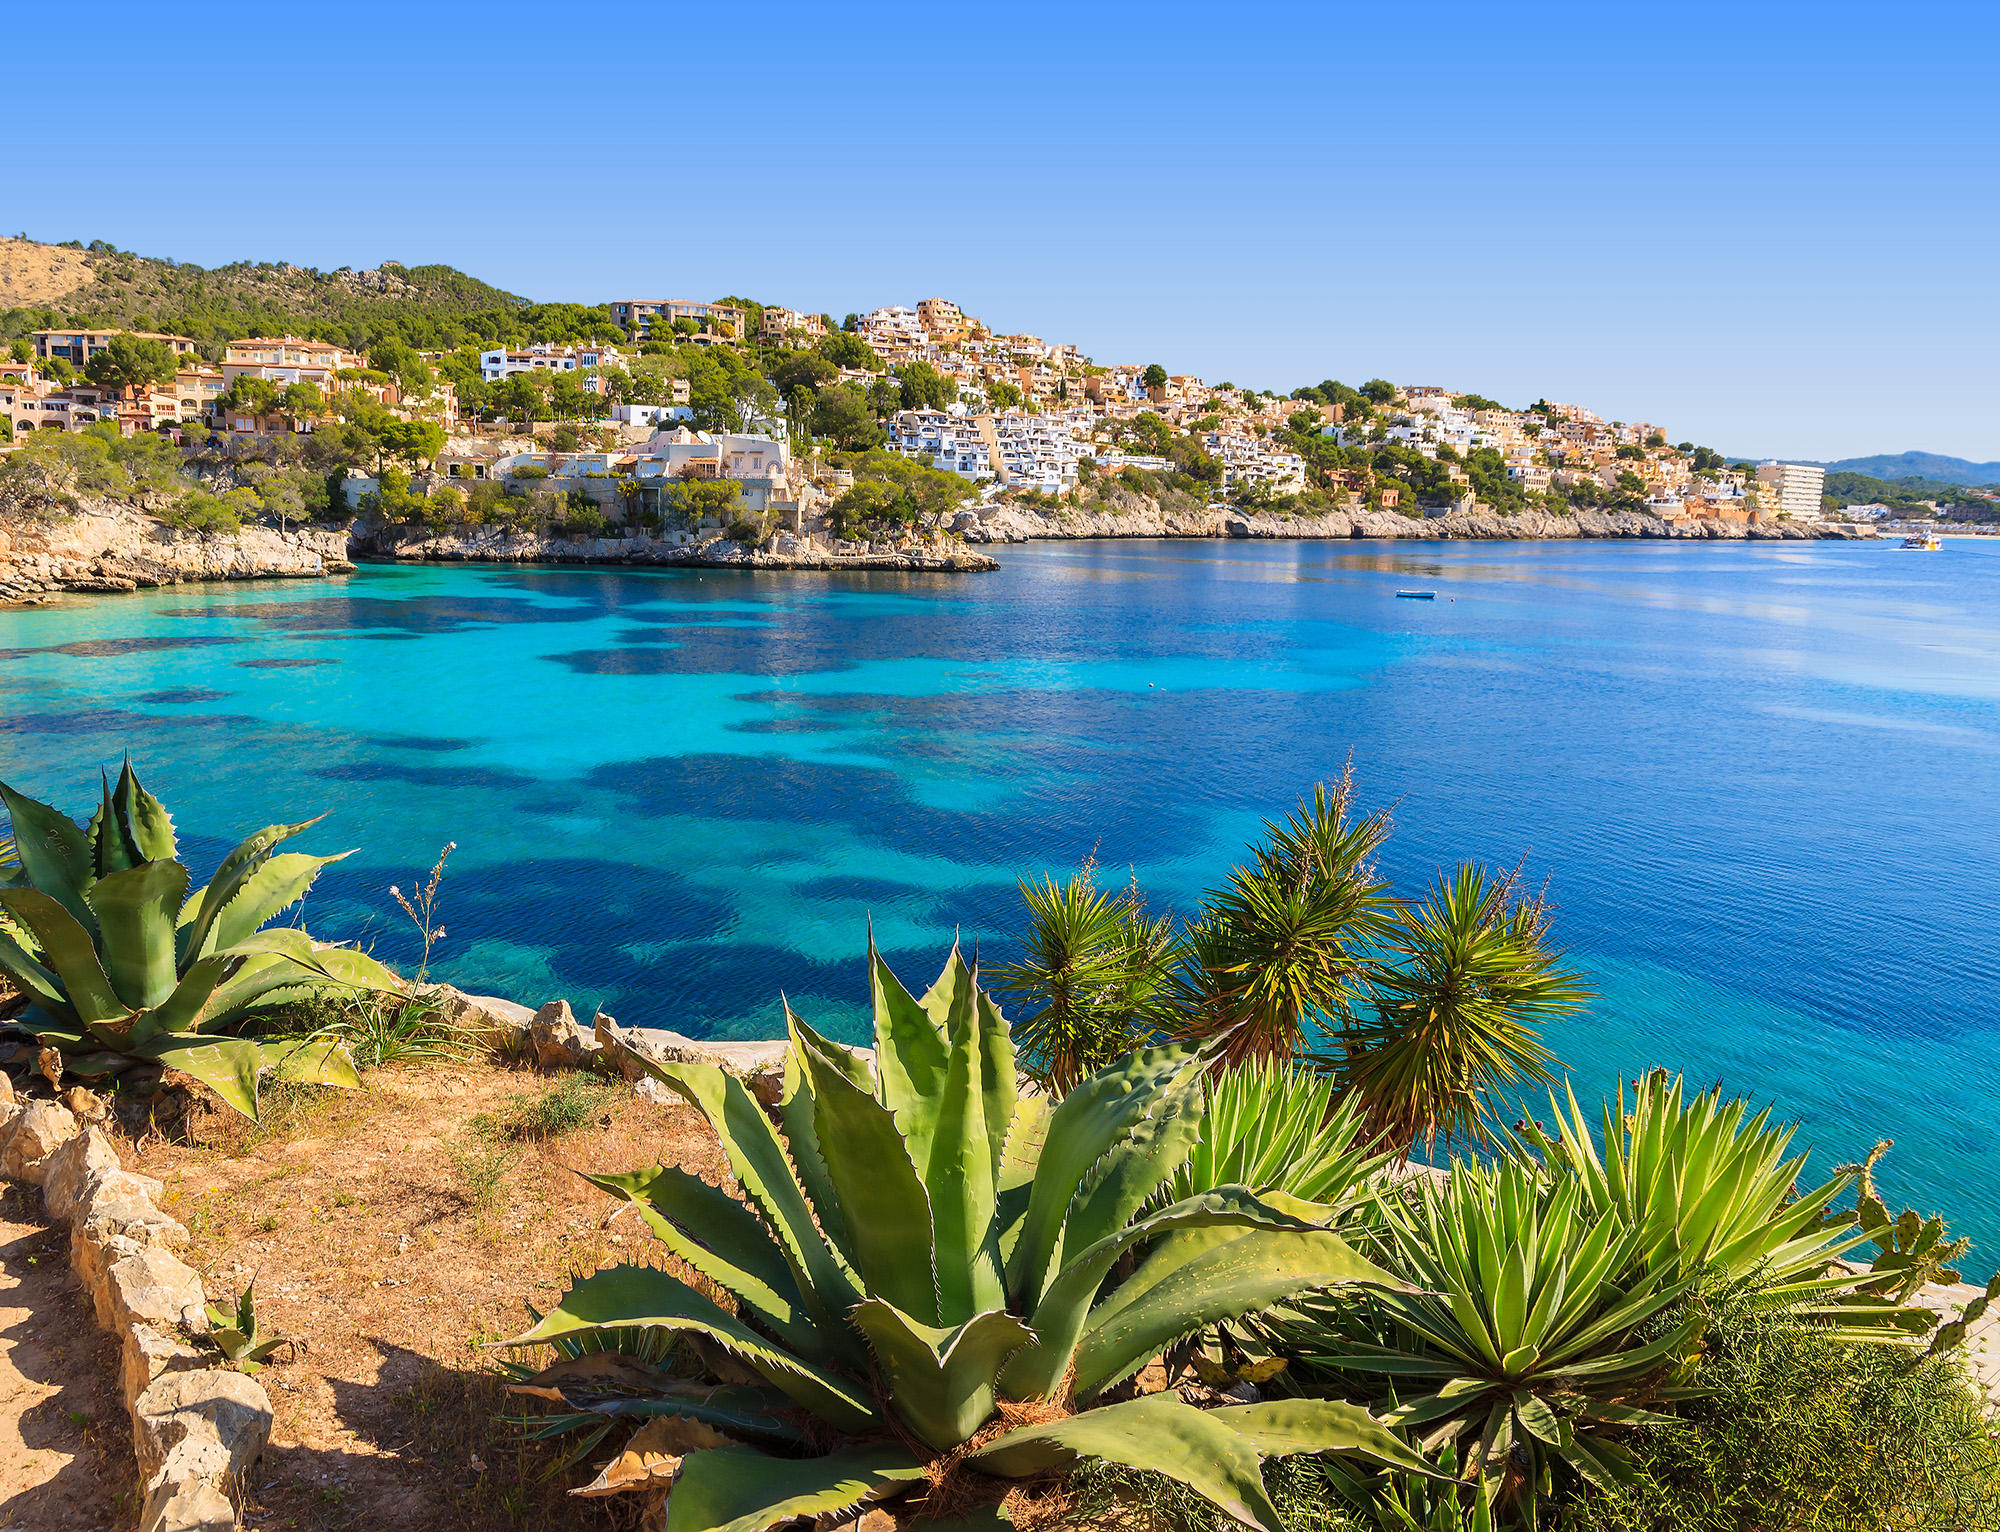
{"type": "Point", "coordinates": [1454, 1015]}
{"type": "Point", "coordinates": [1520, 1339]}
{"type": "Point", "coordinates": [1711, 1191]}
{"type": "Point", "coordinates": [1277, 1126]}
{"type": "Point", "coordinates": [917, 1268]}
{"type": "Point", "coordinates": [235, 1330]}
{"type": "Point", "coordinates": [122, 964]}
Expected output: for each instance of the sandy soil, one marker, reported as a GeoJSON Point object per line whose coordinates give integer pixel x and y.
{"type": "Point", "coordinates": [393, 1232]}
{"type": "Point", "coordinates": [65, 1440]}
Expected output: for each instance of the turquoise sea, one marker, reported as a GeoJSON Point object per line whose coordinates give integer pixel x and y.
{"type": "Point", "coordinates": [1762, 781]}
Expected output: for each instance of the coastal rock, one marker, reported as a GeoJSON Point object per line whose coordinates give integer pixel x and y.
{"type": "Point", "coordinates": [109, 548]}
{"type": "Point", "coordinates": [557, 1041]}
{"type": "Point", "coordinates": [491, 546]}
{"type": "Point", "coordinates": [1141, 516]}
{"type": "Point", "coordinates": [37, 1133]}
{"type": "Point", "coordinates": [500, 1024]}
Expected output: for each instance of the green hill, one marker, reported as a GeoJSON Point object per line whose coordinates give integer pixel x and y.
{"type": "Point", "coordinates": [431, 307]}
{"type": "Point", "coordinates": [1920, 465]}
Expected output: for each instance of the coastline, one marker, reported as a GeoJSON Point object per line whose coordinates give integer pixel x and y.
{"type": "Point", "coordinates": [1022, 524]}
{"type": "Point", "coordinates": [104, 552]}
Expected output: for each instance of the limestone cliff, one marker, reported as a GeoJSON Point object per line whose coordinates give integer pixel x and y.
{"type": "Point", "coordinates": [110, 548]}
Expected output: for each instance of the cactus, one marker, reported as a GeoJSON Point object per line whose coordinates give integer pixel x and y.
{"type": "Point", "coordinates": [1952, 1333]}
{"type": "Point", "coordinates": [1911, 1251]}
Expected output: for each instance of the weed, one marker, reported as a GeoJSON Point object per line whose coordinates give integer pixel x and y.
{"type": "Point", "coordinates": [480, 1167]}
{"type": "Point", "coordinates": [569, 1104]}
{"type": "Point", "coordinates": [423, 910]}
{"type": "Point", "coordinates": [381, 1030]}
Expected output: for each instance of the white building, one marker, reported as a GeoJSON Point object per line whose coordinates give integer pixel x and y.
{"type": "Point", "coordinates": [500, 363]}
{"type": "Point", "coordinates": [1796, 487]}
{"type": "Point", "coordinates": [953, 442]}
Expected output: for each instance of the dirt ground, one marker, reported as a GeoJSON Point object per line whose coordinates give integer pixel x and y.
{"type": "Point", "coordinates": [393, 1231]}
{"type": "Point", "coordinates": [65, 1440]}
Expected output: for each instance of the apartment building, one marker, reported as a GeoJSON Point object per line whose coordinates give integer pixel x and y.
{"type": "Point", "coordinates": [639, 315]}
{"type": "Point", "coordinates": [78, 346]}
{"type": "Point", "coordinates": [288, 359]}
{"type": "Point", "coordinates": [894, 326]}
{"type": "Point", "coordinates": [779, 323]}
{"type": "Point", "coordinates": [502, 363]}
{"type": "Point", "coordinates": [954, 443]}
{"type": "Point", "coordinates": [1797, 488]}
{"type": "Point", "coordinates": [945, 322]}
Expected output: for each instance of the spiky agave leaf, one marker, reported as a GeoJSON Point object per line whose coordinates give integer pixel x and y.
{"type": "Point", "coordinates": [900, 1197]}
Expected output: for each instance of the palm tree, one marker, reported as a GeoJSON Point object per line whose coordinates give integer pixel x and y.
{"type": "Point", "coordinates": [1454, 1012]}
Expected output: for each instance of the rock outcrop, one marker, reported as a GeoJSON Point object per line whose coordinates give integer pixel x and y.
{"type": "Point", "coordinates": [1147, 518]}
{"type": "Point", "coordinates": [105, 548]}
{"type": "Point", "coordinates": [491, 545]}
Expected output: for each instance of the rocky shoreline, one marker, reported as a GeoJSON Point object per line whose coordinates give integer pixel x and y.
{"type": "Point", "coordinates": [1014, 524]}
{"type": "Point", "coordinates": [104, 552]}
{"type": "Point", "coordinates": [109, 550]}
{"type": "Point", "coordinates": [400, 545]}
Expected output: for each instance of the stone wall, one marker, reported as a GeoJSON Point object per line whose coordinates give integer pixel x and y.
{"type": "Point", "coordinates": [196, 1429]}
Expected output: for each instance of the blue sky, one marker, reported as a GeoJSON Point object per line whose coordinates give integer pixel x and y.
{"type": "Point", "coordinates": [1771, 228]}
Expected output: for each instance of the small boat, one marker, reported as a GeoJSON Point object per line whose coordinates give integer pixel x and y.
{"type": "Point", "coordinates": [1928, 542]}
{"type": "Point", "coordinates": [1416, 595]}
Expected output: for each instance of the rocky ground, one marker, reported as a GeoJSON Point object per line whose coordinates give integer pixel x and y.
{"type": "Point", "coordinates": [109, 549]}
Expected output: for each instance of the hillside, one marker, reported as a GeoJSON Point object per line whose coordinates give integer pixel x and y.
{"type": "Point", "coordinates": [1919, 465]}
{"type": "Point", "coordinates": [34, 274]}
{"type": "Point", "coordinates": [45, 285]}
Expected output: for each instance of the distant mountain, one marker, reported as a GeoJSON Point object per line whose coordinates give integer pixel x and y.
{"type": "Point", "coordinates": [1919, 465]}
{"type": "Point", "coordinates": [47, 285]}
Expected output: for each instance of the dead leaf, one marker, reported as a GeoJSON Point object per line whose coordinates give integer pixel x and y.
{"type": "Point", "coordinates": [600, 1371]}
{"type": "Point", "coordinates": [653, 1455]}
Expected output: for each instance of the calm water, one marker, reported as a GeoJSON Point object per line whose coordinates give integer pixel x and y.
{"type": "Point", "coordinates": [1763, 780]}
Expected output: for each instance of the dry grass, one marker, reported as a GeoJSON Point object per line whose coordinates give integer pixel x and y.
{"type": "Point", "coordinates": [393, 1231]}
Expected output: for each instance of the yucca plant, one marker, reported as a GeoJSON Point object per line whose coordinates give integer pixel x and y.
{"type": "Point", "coordinates": [1711, 1191]}
{"type": "Point", "coordinates": [1281, 952]}
{"type": "Point", "coordinates": [917, 1268]}
{"type": "Point", "coordinates": [1454, 1012]}
{"type": "Point", "coordinates": [1095, 977]}
{"type": "Point", "coordinates": [122, 964]}
{"type": "Point", "coordinates": [1278, 1126]}
{"type": "Point", "coordinates": [1519, 1336]}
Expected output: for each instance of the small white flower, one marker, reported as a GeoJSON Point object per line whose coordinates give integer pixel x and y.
{"type": "Point", "coordinates": [394, 890]}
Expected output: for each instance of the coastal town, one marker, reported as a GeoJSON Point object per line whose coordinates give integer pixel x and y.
{"type": "Point", "coordinates": [689, 424]}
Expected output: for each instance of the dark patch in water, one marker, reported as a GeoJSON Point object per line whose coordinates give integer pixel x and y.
{"type": "Point", "coordinates": [299, 664]}
{"type": "Point", "coordinates": [176, 695]}
{"type": "Point", "coordinates": [717, 651]}
{"type": "Point", "coordinates": [428, 776]}
{"type": "Point", "coordinates": [420, 614]}
{"type": "Point", "coordinates": [102, 720]}
{"type": "Point", "coordinates": [100, 648]}
{"type": "Point", "coordinates": [786, 726]}
{"type": "Point", "coordinates": [867, 890]}
{"type": "Point", "coordinates": [439, 745]}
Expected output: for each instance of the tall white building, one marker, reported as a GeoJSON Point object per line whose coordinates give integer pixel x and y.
{"type": "Point", "coordinates": [1797, 488]}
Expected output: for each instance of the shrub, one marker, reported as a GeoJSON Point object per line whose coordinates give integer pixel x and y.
{"type": "Point", "coordinates": [529, 471]}
{"type": "Point", "coordinates": [1826, 1435]}
{"type": "Point", "coordinates": [747, 529]}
